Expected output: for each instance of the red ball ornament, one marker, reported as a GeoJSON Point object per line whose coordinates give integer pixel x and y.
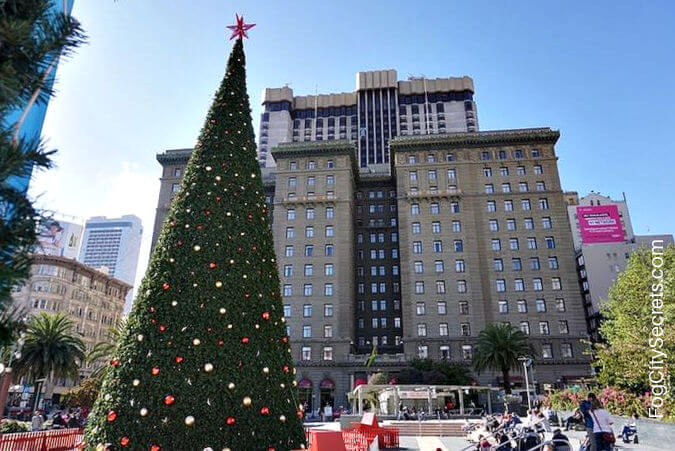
{"type": "Point", "coordinates": [300, 414]}
{"type": "Point", "coordinates": [221, 342]}
{"type": "Point", "coordinates": [151, 309]}
{"type": "Point", "coordinates": [162, 327]}
{"type": "Point", "coordinates": [180, 242]}
{"type": "Point", "coordinates": [266, 316]}
{"type": "Point", "coordinates": [212, 265]}
{"type": "Point", "coordinates": [154, 371]}
{"type": "Point", "coordinates": [165, 286]}
{"type": "Point", "coordinates": [265, 411]}
{"type": "Point", "coordinates": [247, 295]}
{"type": "Point", "coordinates": [218, 198]}
{"type": "Point", "coordinates": [254, 248]}
{"type": "Point", "coordinates": [155, 448]}
{"type": "Point", "coordinates": [199, 227]}
{"type": "Point", "coordinates": [245, 340]}
{"type": "Point", "coordinates": [249, 216]}
{"type": "Point", "coordinates": [124, 441]}
{"type": "Point", "coordinates": [284, 339]}
{"type": "Point", "coordinates": [207, 212]}
{"type": "Point", "coordinates": [178, 359]}
{"type": "Point", "coordinates": [230, 421]}
{"type": "Point", "coordinates": [112, 416]}
{"type": "Point", "coordinates": [115, 363]}
{"type": "Point", "coordinates": [169, 400]}
{"type": "Point", "coordinates": [286, 369]}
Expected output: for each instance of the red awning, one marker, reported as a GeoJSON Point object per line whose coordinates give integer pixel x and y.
{"type": "Point", "coordinates": [327, 383]}
{"type": "Point", "coordinates": [305, 383]}
{"type": "Point", "coordinates": [358, 382]}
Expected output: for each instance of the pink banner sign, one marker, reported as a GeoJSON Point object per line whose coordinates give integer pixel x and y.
{"type": "Point", "coordinates": [600, 224]}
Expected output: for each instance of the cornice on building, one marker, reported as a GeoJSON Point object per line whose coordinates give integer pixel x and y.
{"type": "Point", "coordinates": [41, 259]}
{"type": "Point", "coordinates": [542, 135]}
{"type": "Point", "coordinates": [318, 148]}
{"type": "Point", "coordinates": [174, 156]}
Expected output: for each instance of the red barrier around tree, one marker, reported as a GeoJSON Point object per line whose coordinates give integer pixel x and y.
{"type": "Point", "coordinates": [53, 440]}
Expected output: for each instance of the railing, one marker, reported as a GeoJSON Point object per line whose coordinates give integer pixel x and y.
{"type": "Point", "coordinates": [53, 440]}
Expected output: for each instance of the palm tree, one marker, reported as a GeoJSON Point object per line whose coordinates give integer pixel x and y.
{"type": "Point", "coordinates": [51, 349]}
{"type": "Point", "coordinates": [499, 347]}
{"type": "Point", "coordinates": [104, 350]}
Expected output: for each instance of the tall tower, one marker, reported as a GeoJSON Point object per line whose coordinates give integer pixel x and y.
{"type": "Point", "coordinates": [113, 243]}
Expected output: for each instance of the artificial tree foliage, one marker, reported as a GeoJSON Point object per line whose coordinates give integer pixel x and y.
{"type": "Point", "coordinates": [204, 361]}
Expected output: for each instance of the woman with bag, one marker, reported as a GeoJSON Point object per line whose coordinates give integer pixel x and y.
{"type": "Point", "coordinates": [602, 426]}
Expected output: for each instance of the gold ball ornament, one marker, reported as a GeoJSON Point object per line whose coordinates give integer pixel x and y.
{"type": "Point", "coordinates": [208, 367]}
{"type": "Point", "coordinates": [246, 401]}
{"type": "Point", "coordinates": [144, 412]}
{"type": "Point", "coordinates": [230, 385]}
{"type": "Point", "coordinates": [189, 420]}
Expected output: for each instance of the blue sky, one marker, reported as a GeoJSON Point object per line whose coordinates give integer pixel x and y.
{"type": "Point", "coordinates": [601, 72]}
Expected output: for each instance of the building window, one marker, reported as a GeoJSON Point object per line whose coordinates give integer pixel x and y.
{"type": "Point", "coordinates": [556, 284]}
{"type": "Point", "coordinates": [417, 247]}
{"type": "Point", "coordinates": [441, 307]}
{"type": "Point", "coordinates": [288, 290]}
{"type": "Point", "coordinates": [546, 222]}
{"type": "Point", "coordinates": [330, 250]}
{"type": "Point", "coordinates": [438, 246]}
{"type": "Point", "coordinates": [440, 287]}
{"type": "Point", "coordinates": [175, 187]}
{"type": "Point", "coordinates": [288, 270]}
{"type": "Point", "coordinates": [460, 266]}
{"type": "Point", "coordinates": [419, 287]}
{"type": "Point", "coordinates": [309, 250]}
{"type": "Point", "coordinates": [553, 262]}
{"type": "Point", "coordinates": [516, 264]}
{"type": "Point", "coordinates": [290, 214]}
{"type": "Point", "coordinates": [513, 244]}
{"type": "Point", "coordinates": [522, 306]}
{"type": "Point", "coordinates": [306, 353]}
{"type": "Point", "coordinates": [330, 231]}
{"type": "Point", "coordinates": [423, 352]}
{"type": "Point", "coordinates": [525, 327]}
{"type": "Point", "coordinates": [456, 226]}
{"type": "Point", "coordinates": [289, 251]}
{"type": "Point", "coordinates": [540, 304]}
{"type": "Point", "coordinates": [416, 228]}
{"type": "Point", "coordinates": [543, 328]}
{"type": "Point", "coordinates": [531, 243]}
{"type": "Point", "coordinates": [465, 330]}
{"type": "Point", "coordinates": [496, 244]}
{"type": "Point", "coordinates": [467, 352]}
{"type": "Point", "coordinates": [550, 242]}
{"type": "Point", "coordinates": [525, 204]}
{"type": "Point", "coordinates": [422, 330]}
{"type": "Point", "coordinates": [487, 172]}
{"type": "Point", "coordinates": [328, 310]}
{"type": "Point", "coordinates": [330, 212]}
{"type": "Point", "coordinates": [415, 209]}
{"type": "Point", "coordinates": [566, 350]}
{"type": "Point", "coordinates": [419, 267]}
{"type": "Point", "coordinates": [444, 352]}
{"type": "Point", "coordinates": [546, 351]}
{"type": "Point", "coordinates": [438, 266]}
{"type": "Point", "coordinates": [501, 285]}
{"type": "Point", "coordinates": [328, 289]}
{"type": "Point", "coordinates": [310, 213]}
{"type": "Point", "coordinates": [328, 353]}
{"type": "Point", "coordinates": [435, 227]}
{"type": "Point", "coordinates": [560, 305]}
{"type": "Point", "coordinates": [463, 308]}
{"type": "Point", "coordinates": [443, 329]}
{"type": "Point", "coordinates": [287, 310]}
{"type": "Point", "coordinates": [519, 285]}
{"type": "Point", "coordinates": [503, 307]}
{"type": "Point", "coordinates": [307, 289]}
{"type": "Point", "coordinates": [491, 206]}
{"type": "Point", "coordinates": [452, 174]}
{"type": "Point", "coordinates": [503, 171]}
{"type": "Point", "coordinates": [543, 204]}
{"type": "Point", "coordinates": [489, 188]}
{"type": "Point", "coordinates": [420, 308]}
{"type": "Point", "coordinates": [506, 187]}
{"type": "Point", "coordinates": [534, 263]}
{"type": "Point", "coordinates": [461, 286]}
{"type": "Point", "coordinates": [563, 327]}
{"type": "Point", "coordinates": [494, 225]}
{"type": "Point", "coordinates": [434, 209]}
{"type": "Point", "coordinates": [309, 232]}
{"type": "Point", "coordinates": [306, 331]}
{"type": "Point", "coordinates": [529, 224]}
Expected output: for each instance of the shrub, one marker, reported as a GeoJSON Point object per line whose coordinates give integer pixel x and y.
{"type": "Point", "coordinates": [11, 427]}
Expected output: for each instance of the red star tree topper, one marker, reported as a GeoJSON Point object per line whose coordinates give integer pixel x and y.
{"type": "Point", "coordinates": [239, 30]}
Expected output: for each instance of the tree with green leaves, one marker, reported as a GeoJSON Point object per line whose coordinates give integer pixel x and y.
{"type": "Point", "coordinates": [52, 349]}
{"type": "Point", "coordinates": [498, 348]}
{"type": "Point", "coordinates": [204, 361]}
{"type": "Point", "coordinates": [103, 351]}
{"type": "Point", "coordinates": [623, 360]}
{"type": "Point", "coordinates": [32, 38]}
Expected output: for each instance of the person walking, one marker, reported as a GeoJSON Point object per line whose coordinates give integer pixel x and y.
{"type": "Point", "coordinates": [602, 426]}
{"type": "Point", "coordinates": [585, 409]}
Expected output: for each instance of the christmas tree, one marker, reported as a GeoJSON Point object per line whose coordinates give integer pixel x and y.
{"type": "Point", "coordinates": [204, 362]}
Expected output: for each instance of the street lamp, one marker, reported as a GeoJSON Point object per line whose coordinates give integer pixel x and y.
{"type": "Point", "coordinates": [526, 361]}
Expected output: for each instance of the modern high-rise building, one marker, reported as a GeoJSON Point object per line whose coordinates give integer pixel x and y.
{"type": "Point", "coordinates": [380, 108]}
{"type": "Point", "coordinates": [113, 244]}
{"type": "Point", "coordinates": [603, 238]}
{"type": "Point", "coordinates": [28, 118]}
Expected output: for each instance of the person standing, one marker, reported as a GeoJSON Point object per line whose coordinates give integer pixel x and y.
{"type": "Point", "coordinates": [602, 426]}
{"type": "Point", "coordinates": [36, 422]}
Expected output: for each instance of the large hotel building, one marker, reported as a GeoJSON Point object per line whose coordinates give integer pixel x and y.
{"type": "Point", "coordinates": [398, 225]}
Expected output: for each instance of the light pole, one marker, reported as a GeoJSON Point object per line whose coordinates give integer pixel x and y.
{"type": "Point", "coordinates": [526, 361]}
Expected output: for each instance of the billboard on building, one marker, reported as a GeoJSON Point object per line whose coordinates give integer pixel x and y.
{"type": "Point", "coordinates": [600, 224]}
{"type": "Point", "coordinates": [60, 238]}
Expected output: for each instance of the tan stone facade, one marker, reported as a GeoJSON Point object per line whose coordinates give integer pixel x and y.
{"type": "Point", "coordinates": [93, 300]}
{"type": "Point", "coordinates": [464, 230]}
